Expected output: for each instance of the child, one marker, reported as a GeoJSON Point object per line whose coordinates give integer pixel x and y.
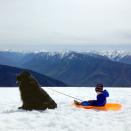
{"type": "Point", "coordinates": [101, 97]}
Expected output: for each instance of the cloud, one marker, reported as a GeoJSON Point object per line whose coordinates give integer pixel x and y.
{"type": "Point", "coordinates": [65, 22]}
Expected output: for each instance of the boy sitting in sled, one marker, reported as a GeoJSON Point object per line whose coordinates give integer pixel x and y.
{"type": "Point", "coordinates": [101, 97]}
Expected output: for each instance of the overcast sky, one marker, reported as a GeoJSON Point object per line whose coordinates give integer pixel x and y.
{"type": "Point", "coordinates": [41, 24]}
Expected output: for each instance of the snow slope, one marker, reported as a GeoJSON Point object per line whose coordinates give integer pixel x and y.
{"type": "Point", "coordinates": [65, 117]}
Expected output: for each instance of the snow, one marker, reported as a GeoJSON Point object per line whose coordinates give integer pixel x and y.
{"type": "Point", "coordinates": [66, 117]}
{"type": "Point", "coordinates": [115, 54]}
{"type": "Point", "coordinates": [111, 54]}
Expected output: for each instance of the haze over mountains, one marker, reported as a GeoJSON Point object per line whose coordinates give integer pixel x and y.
{"type": "Point", "coordinates": [76, 68]}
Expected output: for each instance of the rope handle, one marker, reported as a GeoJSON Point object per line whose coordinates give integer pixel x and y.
{"type": "Point", "coordinates": [65, 94]}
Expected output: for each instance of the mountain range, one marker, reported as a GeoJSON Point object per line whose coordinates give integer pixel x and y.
{"type": "Point", "coordinates": [8, 76]}
{"type": "Point", "coordinates": [76, 68]}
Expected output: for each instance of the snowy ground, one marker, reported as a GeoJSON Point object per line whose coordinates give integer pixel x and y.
{"type": "Point", "coordinates": [65, 117]}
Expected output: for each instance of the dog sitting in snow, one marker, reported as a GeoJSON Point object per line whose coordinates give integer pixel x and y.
{"type": "Point", "coordinates": [32, 96]}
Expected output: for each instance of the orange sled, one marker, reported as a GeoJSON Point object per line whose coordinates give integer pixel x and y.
{"type": "Point", "coordinates": [108, 106]}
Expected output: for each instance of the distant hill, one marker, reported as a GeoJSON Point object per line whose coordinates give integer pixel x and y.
{"type": "Point", "coordinates": [79, 69]}
{"type": "Point", "coordinates": [8, 77]}
{"type": "Point", "coordinates": [125, 59]}
{"type": "Point", "coordinates": [11, 58]}
{"type": "Point", "coordinates": [119, 56]}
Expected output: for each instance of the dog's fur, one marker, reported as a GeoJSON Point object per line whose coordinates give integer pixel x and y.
{"type": "Point", "coordinates": [32, 95]}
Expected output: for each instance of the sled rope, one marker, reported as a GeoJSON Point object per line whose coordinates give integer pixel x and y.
{"type": "Point", "coordinates": [65, 94]}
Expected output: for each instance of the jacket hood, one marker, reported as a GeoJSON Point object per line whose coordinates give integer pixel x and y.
{"type": "Point", "coordinates": [105, 93]}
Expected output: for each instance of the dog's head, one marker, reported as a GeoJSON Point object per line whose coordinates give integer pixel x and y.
{"type": "Point", "coordinates": [25, 75]}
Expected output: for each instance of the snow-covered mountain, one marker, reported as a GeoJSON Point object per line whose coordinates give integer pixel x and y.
{"type": "Point", "coordinates": [114, 55]}
{"type": "Point", "coordinates": [76, 68]}
{"type": "Point", "coordinates": [79, 68]}
{"type": "Point", "coordinates": [119, 56]}
{"type": "Point", "coordinates": [15, 56]}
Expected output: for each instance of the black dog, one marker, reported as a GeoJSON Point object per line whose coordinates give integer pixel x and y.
{"type": "Point", "coordinates": [33, 97]}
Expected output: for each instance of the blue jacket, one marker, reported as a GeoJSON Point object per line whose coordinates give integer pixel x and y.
{"type": "Point", "coordinates": [101, 100]}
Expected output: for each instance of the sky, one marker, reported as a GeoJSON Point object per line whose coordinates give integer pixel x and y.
{"type": "Point", "coordinates": [65, 24]}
